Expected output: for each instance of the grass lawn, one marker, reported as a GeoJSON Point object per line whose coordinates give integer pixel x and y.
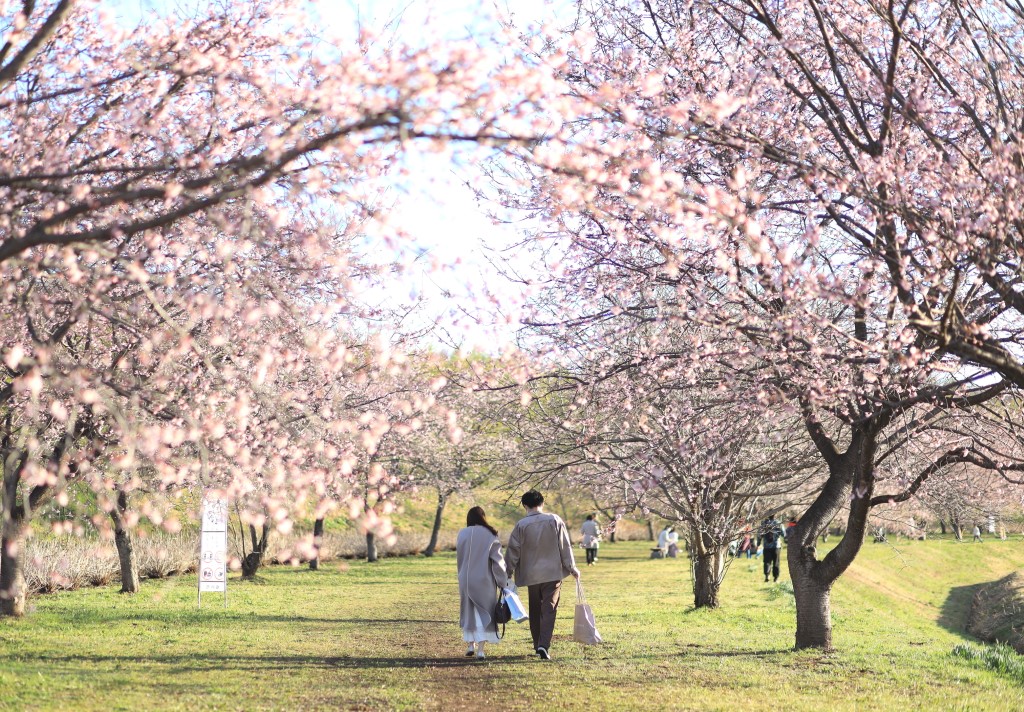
{"type": "Point", "coordinates": [385, 636]}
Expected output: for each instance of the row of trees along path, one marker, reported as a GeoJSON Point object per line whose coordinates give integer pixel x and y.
{"type": "Point", "coordinates": [186, 209]}
{"type": "Point", "coordinates": [778, 254]}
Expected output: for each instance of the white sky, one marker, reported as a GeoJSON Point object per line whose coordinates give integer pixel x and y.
{"type": "Point", "coordinates": [437, 207]}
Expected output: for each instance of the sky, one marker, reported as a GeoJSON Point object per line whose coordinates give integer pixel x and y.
{"type": "Point", "coordinates": [450, 269]}
{"type": "Point", "coordinates": [457, 242]}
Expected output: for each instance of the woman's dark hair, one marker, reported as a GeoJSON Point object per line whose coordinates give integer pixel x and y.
{"type": "Point", "coordinates": [477, 518]}
{"type": "Point", "coordinates": [532, 499]}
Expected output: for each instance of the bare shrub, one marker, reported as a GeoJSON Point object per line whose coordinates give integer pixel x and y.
{"type": "Point", "coordinates": [162, 554]}
{"type": "Point", "coordinates": [627, 530]}
{"type": "Point", "coordinates": [347, 545]}
{"type": "Point", "coordinates": [66, 563]}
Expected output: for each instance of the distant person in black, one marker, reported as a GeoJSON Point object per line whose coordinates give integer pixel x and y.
{"type": "Point", "coordinates": [770, 537]}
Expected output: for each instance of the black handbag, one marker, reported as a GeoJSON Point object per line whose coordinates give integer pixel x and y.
{"type": "Point", "coordinates": [502, 614]}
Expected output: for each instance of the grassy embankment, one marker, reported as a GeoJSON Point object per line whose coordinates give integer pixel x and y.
{"type": "Point", "coordinates": [383, 636]}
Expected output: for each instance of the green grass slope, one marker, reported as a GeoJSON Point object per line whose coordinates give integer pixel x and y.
{"type": "Point", "coordinates": [385, 636]}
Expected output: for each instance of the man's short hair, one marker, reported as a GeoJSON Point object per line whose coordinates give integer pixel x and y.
{"type": "Point", "coordinates": [532, 499]}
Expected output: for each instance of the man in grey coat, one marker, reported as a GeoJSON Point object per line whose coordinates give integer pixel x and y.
{"type": "Point", "coordinates": [539, 553]}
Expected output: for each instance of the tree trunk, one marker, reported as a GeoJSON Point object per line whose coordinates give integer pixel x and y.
{"type": "Point", "coordinates": [650, 530]}
{"type": "Point", "coordinates": [12, 577]}
{"type": "Point", "coordinates": [848, 472]}
{"type": "Point", "coordinates": [254, 559]}
{"type": "Point", "coordinates": [813, 605]}
{"type": "Point", "coordinates": [318, 537]}
{"type": "Point", "coordinates": [942, 526]}
{"type": "Point", "coordinates": [14, 513]}
{"type": "Point", "coordinates": [371, 548]}
{"type": "Point", "coordinates": [707, 577]}
{"type": "Point", "coordinates": [12, 537]}
{"type": "Point", "coordinates": [958, 530]}
{"type": "Point", "coordinates": [442, 500]}
{"type": "Point", "coordinates": [250, 565]}
{"type": "Point", "coordinates": [560, 503]}
{"type": "Point", "coordinates": [125, 546]}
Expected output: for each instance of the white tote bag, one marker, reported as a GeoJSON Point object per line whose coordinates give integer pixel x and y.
{"type": "Point", "coordinates": [584, 628]}
{"type": "Point", "coordinates": [515, 606]}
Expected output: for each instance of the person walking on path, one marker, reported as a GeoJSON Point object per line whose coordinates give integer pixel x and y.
{"type": "Point", "coordinates": [747, 545]}
{"type": "Point", "coordinates": [977, 533]}
{"type": "Point", "coordinates": [770, 537]}
{"type": "Point", "coordinates": [539, 553]}
{"type": "Point", "coordinates": [591, 539]}
{"type": "Point", "coordinates": [481, 571]}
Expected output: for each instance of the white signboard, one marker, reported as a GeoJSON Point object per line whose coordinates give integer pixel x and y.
{"type": "Point", "coordinates": [213, 547]}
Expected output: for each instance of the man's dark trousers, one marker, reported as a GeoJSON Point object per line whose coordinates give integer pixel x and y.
{"type": "Point", "coordinates": [543, 599]}
{"type": "Point", "coordinates": [771, 559]}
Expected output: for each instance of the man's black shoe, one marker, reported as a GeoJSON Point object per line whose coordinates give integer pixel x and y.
{"type": "Point", "coordinates": [543, 654]}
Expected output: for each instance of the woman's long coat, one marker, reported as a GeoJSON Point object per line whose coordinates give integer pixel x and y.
{"type": "Point", "coordinates": [481, 570]}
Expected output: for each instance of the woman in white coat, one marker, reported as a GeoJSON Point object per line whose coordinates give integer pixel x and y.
{"type": "Point", "coordinates": [481, 572]}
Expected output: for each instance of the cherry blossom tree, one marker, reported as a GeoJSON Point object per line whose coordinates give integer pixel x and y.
{"type": "Point", "coordinates": [637, 424]}
{"type": "Point", "coordinates": [160, 286]}
{"type": "Point", "coordinates": [897, 126]}
{"type": "Point", "coordinates": [462, 444]}
{"type": "Point", "coordinates": [703, 189]}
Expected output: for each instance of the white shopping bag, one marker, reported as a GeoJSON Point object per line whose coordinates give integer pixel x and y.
{"type": "Point", "coordinates": [584, 628]}
{"type": "Point", "coordinates": [514, 605]}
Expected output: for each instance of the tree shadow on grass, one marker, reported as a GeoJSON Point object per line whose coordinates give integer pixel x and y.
{"type": "Point", "coordinates": [351, 579]}
{"type": "Point", "coordinates": [739, 653]}
{"type": "Point", "coordinates": [421, 662]}
{"type": "Point", "coordinates": [178, 664]}
{"type": "Point", "coordinates": [233, 618]}
{"type": "Point", "coordinates": [957, 607]}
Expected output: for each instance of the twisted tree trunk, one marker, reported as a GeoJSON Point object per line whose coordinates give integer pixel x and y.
{"type": "Point", "coordinates": [252, 561]}
{"type": "Point", "coordinates": [850, 473]}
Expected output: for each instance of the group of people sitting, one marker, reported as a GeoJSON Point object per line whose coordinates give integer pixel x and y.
{"type": "Point", "coordinates": [668, 544]}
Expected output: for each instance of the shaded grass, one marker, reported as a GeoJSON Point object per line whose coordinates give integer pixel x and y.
{"type": "Point", "coordinates": [385, 636]}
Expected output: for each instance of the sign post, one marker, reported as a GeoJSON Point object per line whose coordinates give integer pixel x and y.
{"type": "Point", "coordinates": [213, 548]}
